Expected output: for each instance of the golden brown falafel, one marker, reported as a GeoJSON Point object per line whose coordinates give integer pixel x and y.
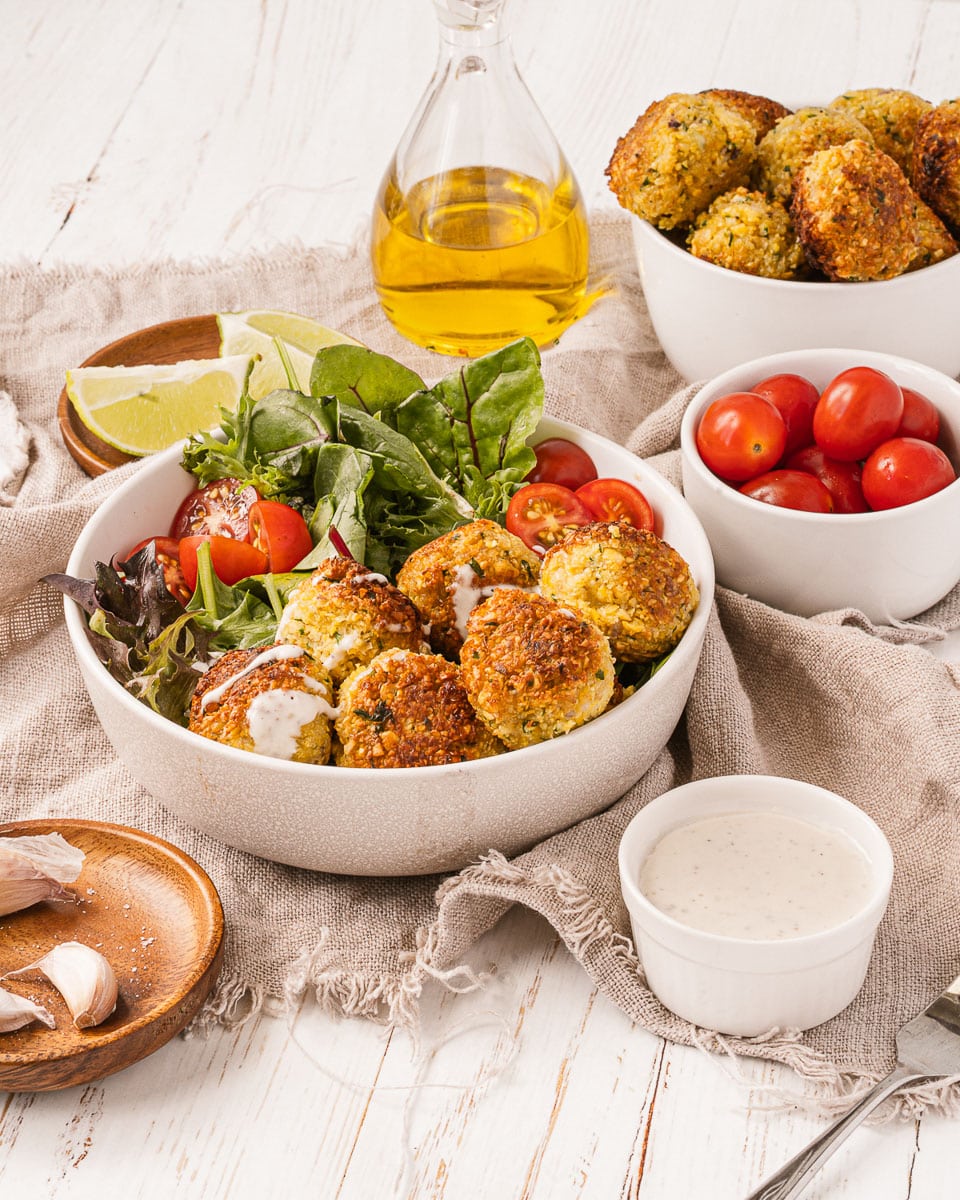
{"type": "Point", "coordinates": [890, 114]}
{"type": "Point", "coordinates": [935, 166]}
{"type": "Point", "coordinates": [534, 669]}
{"type": "Point", "coordinates": [747, 231]}
{"type": "Point", "coordinates": [404, 709]}
{"type": "Point", "coordinates": [628, 582]}
{"type": "Point", "coordinates": [680, 153]}
{"type": "Point", "coordinates": [935, 242]}
{"type": "Point", "coordinates": [343, 614]}
{"type": "Point", "coordinates": [854, 213]}
{"type": "Point", "coordinates": [273, 700]}
{"type": "Point", "coordinates": [762, 112]}
{"type": "Point", "coordinates": [449, 576]}
{"type": "Point", "coordinates": [783, 151]}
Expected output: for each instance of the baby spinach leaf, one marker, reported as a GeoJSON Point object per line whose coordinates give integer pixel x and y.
{"type": "Point", "coordinates": [472, 426]}
{"type": "Point", "coordinates": [361, 378]}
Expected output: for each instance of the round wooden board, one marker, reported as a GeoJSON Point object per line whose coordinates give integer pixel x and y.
{"type": "Point", "coordinates": [156, 917]}
{"type": "Point", "coordinates": [168, 342]}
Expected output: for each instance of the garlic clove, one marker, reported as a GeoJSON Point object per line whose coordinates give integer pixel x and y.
{"type": "Point", "coordinates": [36, 868]}
{"type": "Point", "coordinates": [51, 852]}
{"type": "Point", "coordinates": [17, 1011]}
{"type": "Point", "coordinates": [83, 977]}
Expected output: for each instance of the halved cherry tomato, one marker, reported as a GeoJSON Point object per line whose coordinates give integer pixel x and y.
{"type": "Point", "coordinates": [903, 470]}
{"type": "Point", "coordinates": [542, 514]}
{"type": "Point", "coordinates": [281, 533]}
{"type": "Point", "coordinates": [221, 508]}
{"type": "Point", "coordinates": [920, 417]}
{"type": "Point", "coordinates": [841, 479]}
{"type": "Point", "coordinates": [790, 489]}
{"type": "Point", "coordinates": [740, 436]}
{"type": "Point", "coordinates": [795, 398]}
{"type": "Point", "coordinates": [233, 560]}
{"type": "Point", "coordinates": [562, 461]}
{"type": "Point", "coordinates": [617, 500]}
{"type": "Point", "coordinates": [167, 553]}
{"type": "Point", "coordinates": [857, 410]}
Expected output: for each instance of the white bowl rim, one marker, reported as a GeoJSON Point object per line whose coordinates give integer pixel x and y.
{"type": "Point", "coordinates": [76, 620]}
{"type": "Point", "coordinates": [881, 869]}
{"type": "Point", "coordinates": [795, 286]}
{"type": "Point", "coordinates": [869, 358]}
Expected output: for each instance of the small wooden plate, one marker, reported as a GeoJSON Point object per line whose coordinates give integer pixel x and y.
{"type": "Point", "coordinates": [156, 917]}
{"type": "Point", "coordinates": [169, 342]}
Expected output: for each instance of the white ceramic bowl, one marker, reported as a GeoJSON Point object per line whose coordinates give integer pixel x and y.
{"type": "Point", "coordinates": [735, 985]}
{"type": "Point", "coordinates": [891, 565]}
{"type": "Point", "coordinates": [709, 319]}
{"type": "Point", "coordinates": [392, 821]}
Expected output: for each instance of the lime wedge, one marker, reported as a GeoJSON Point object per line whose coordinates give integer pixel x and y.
{"type": "Point", "coordinates": [142, 409]}
{"type": "Point", "coordinates": [253, 332]}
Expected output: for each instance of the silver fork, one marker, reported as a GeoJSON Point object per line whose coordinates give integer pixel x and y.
{"type": "Point", "coordinates": [927, 1046]}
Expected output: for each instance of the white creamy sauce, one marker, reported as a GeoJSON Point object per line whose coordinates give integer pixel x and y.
{"type": "Point", "coordinates": [465, 595]}
{"type": "Point", "coordinates": [275, 719]}
{"type": "Point", "coordinates": [757, 876]}
{"type": "Point", "coordinates": [271, 654]}
{"type": "Point", "coordinates": [370, 577]}
{"type": "Point", "coordinates": [341, 650]}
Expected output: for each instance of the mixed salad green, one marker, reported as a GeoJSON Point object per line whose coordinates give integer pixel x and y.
{"type": "Point", "coordinates": [378, 464]}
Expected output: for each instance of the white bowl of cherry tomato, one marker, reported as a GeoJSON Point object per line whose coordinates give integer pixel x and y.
{"type": "Point", "coordinates": [827, 479]}
{"type": "Point", "coordinates": [363, 820]}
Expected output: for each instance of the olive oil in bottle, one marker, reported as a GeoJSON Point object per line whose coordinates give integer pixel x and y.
{"type": "Point", "coordinates": [479, 232]}
{"type": "Point", "coordinates": [471, 259]}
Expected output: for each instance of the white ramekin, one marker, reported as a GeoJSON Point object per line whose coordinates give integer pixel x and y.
{"type": "Point", "coordinates": [734, 985]}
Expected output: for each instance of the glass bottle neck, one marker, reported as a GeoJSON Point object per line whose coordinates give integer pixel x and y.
{"type": "Point", "coordinates": [469, 24]}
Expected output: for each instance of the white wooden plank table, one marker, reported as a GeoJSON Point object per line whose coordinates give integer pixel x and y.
{"type": "Point", "coordinates": [210, 128]}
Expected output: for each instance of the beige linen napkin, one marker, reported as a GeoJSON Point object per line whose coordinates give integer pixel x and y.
{"type": "Point", "coordinates": [866, 712]}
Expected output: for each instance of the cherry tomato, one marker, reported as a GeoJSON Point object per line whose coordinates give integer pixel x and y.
{"type": "Point", "coordinates": [903, 470]}
{"type": "Point", "coordinates": [790, 489]}
{"type": "Point", "coordinates": [281, 533]}
{"type": "Point", "coordinates": [542, 514]}
{"type": "Point", "coordinates": [222, 509]}
{"type": "Point", "coordinates": [920, 417]}
{"type": "Point", "coordinates": [617, 500]}
{"type": "Point", "coordinates": [233, 560]}
{"type": "Point", "coordinates": [562, 461]}
{"type": "Point", "coordinates": [794, 398]}
{"type": "Point", "coordinates": [841, 479]}
{"type": "Point", "coordinates": [167, 554]}
{"type": "Point", "coordinates": [740, 436]}
{"type": "Point", "coordinates": [857, 411]}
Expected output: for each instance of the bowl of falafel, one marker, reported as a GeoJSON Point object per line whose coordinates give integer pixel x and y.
{"type": "Point", "coordinates": [761, 229]}
{"type": "Point", "coordinates": [481, 698]}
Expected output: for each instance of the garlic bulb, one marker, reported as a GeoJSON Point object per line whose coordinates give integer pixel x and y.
{"type": "Point", "coordinates": [83, 977]}
{"type": "Point", "coordinates": [36, 868]}
{"type": "Point", "coordinates": [17, 1011]}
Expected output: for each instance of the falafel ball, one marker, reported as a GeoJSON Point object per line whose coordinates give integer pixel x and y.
{"type": "Point", "coordinates": [890, 114]}
{"type": "Point", "coordinates": [273, 700]}
{"type": "Point", "coordinates": [854, 213]}
{"type": "Point", "coordinates": [404, 709]}
{"type": "Point", "coordinates": [762, 112]}
{"type": "Point", "coordinates": [534, 669]}
{"type": "Point", "coordinates": [449, 576]}
{"type": "Point", "coordinates": [783, 151]}
{"type": "Point", "coordinates": [680, 153]}
{"type": "Point", "coordinates": [628, 582]}
{"type": "Point", "coordinates": [746, 231]}
{"type": "Point", "coordinates": [935, 241]}
{"type": "Point", "coordinates": [343, 614]}
{"type": "Point", "coordinates": [935, 166]}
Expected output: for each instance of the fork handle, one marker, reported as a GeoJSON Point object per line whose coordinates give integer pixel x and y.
{"type": "Point", "coordinates": [794, 1176]}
